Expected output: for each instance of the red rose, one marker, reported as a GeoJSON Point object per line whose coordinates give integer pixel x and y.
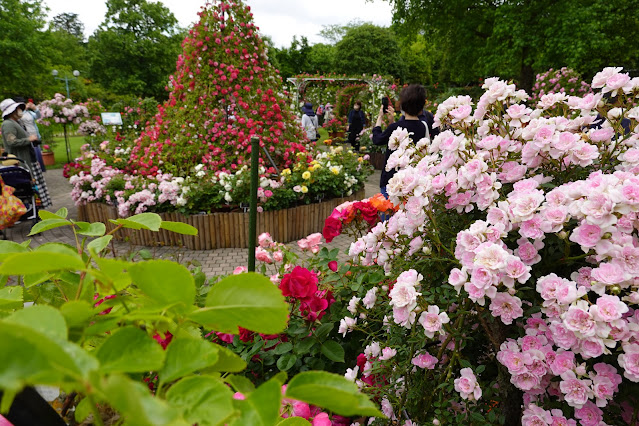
{"type": "Point", "coordinates": [299, 283]}
{"type": "Point", "coordinates": [332, 228]}
{"type": "Point", "coordinates": [368, 212]}
{"type": "Point", "coordinates": [332, 265]}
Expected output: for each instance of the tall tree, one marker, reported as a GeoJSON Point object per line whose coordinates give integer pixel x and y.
{"type": "Point", "coordinates": [21, 44]}
{"type": "Point", "coordinates": [134, 50]}
{"type": "Point", "coordinates": [68, 22]}
{"type": "Point", "coordinates": [369, 49]}
{"type": "Point", "coordinates": [295, 59]}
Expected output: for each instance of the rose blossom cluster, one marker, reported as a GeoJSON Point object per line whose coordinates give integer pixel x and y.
{"type": "Point", "coordinates": [547, 184]}
{"type": "Point", "coordinates": [61, 110]}
{"type": "Point", "coordinates": [301, 284]}
{"type": "Point", "coordinates": [367, 211]}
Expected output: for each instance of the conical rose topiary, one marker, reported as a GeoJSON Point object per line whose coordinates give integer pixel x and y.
{"type": "Point", "coordinates": [223, 92]}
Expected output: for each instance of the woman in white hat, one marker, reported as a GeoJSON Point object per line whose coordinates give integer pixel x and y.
{"type": "Point", "coordinates": [18, 142]}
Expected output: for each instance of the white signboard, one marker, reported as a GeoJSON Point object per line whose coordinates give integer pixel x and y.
{"type": "Point", "coordinates": [111, 119]}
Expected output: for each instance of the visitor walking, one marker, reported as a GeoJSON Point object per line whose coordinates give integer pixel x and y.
{"type": "Point", "coordinates": [412, 100]}
{"type": "Point", "coordinates": [309, 121]}
{"type": "Point", "coordinates": [356, 122]}
{"type": "Point", "coordinates": [31, 114]}
{"type": "Point", "coordinates": [19, 143]}
{"type": "Point", "coordinates": [320, 115]}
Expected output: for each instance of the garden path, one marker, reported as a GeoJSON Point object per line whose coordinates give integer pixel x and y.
{"type": "Point", "coordinates": [214, 262]}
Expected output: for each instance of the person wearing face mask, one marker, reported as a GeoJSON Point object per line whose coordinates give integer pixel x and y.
{"type": "Point", "coordinates": [19, 143]}
{"type": "Point", "coordinates": [356, 121]}
{"type": "Point", "coordinates": [29, 119]}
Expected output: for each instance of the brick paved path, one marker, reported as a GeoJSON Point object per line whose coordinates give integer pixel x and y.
{"type": "Point", "coordinates": [214, 262]}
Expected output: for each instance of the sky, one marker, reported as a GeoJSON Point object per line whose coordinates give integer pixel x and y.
{"type": "Point", "coordinates": [279, 19]}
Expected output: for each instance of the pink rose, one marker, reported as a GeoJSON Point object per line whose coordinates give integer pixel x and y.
{"type": "Point", "coordinates": [467, 385]}
{"type": "Point", "coordinates": [576, 391]}
{"type": "Point", "coordinates": [425, 360]}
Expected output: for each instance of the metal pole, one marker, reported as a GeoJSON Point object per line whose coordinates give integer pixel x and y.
{"type": "Point", "coordinates": [252, 237]}
{"type": "Point", "coordinates": [66, 83]}
{"type": "Point", "coordinates": [66, 142]}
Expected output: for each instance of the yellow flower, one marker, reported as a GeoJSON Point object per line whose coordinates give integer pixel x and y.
{"type": "Point", "coordinates": [362, 148]}
{"type": "Point", "coordinates": [304, 189]}
{"type": "Point", "coordinates": [286, 172]}
{"type": "Point", "coordinates": [335, 170]}
{"type": "Point", "coordinates": [360, 159]}
{"type": "Point", "coordinates": [306, 175]}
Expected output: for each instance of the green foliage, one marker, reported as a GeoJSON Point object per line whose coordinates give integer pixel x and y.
{"type": "Point", "coordinates": [515, 39]}
{"type": "Point", "coordinates": [134, 49]}
{"type": "Point", "coordinates": [369, 49]}
{"type": "Point", "coordinates": [22, 43]}
{"type": "Point", "coordinates": [145, 320]}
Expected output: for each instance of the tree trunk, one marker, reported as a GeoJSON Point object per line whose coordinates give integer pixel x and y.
{"type": "Point", "coordinates": [512, 398]}
{"type": "Point", "coordinates": [526, 74]}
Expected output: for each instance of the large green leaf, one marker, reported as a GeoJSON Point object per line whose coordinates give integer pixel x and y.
{"type": "Point", "coordinates": [130, 350]}
{"type": "Point", "coordinates": [330, 391]}
{"type": "Point", "coordinates": [99, 244]}
{"type": "Point", "coordinates": [77, 312]}
{"type": "Point", "coordinates": [228, 361]}
{"type": "Point", "coordinates": [35, 279]}
{"type": "Point", "coordinates": [179, 227]}
{"type": "Point", "coordinates": [60, 214]}
{"type": "Point", "coordinates": [150, 221]}
{"type": "Point", "coordinates": [135, 403]}
{"type": "Point", "coordinates": [96, 229]}
{"type": "Point", "coordinates": [31, 357]}
{"type": "Point", "coordinates": [114, 272]}
{"type": "Point", "coordinates": [48, 224]}
{"type": "Point", "coordinates": [246, 300]}
{"type": "Point", "coordinates": [36, 262]}
{"type": "Point", "coordinates": [261, 407]}
{"type": "Point", "coordinates": [333, 351]}
{"type": "Point", "coordinates": [186, 355]}
{"type": "Point", "coordinates": [11, 297]}
{"type": "Point", "coordinates": [165, 282]}
{"type": "Point", "coordinates": [203, 400]}
{"type": "Point", "coordinates": [8, 248]}
{"type": "Point", "coordinates": [42, 318]}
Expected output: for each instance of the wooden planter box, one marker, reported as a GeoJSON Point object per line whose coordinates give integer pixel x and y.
{"type": "Point", "coordinates": [223, 230]}
{"type": "Point", "coordinates": [377, 160]}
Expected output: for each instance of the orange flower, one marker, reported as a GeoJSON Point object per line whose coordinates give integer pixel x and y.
{"type": "Point", "coordinates": [348, 214]}
{"type": "Point", "coordinates": [328, 141]}
{"type": "Point", "coordinates": [381, 203]}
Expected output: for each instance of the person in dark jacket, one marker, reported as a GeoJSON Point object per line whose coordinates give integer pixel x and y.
{"type": "Point", "coordinates": [412, 100]}
{"type": "Point", "coordinates": [356, 122]}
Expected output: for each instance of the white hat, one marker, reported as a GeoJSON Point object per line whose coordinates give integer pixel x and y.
{"type": "Point", "coordinates": [9, 105]}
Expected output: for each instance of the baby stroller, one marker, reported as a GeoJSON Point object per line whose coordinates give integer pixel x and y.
{"type": "Point", "coordinates": [19, 177]}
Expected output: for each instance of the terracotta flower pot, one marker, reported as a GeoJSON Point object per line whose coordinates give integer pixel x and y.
{"type": "Point", "coordinates": [48, 158]}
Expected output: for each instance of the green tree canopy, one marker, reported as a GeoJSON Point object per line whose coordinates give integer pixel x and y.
{"type": "Point", "coordinates": [369, 49]}
{"type": "Point", "coordinates": [516, 38]}
{"type": "Point", "coordinates": [68, 22]}
{"type": "Point", "coordinates": [21, 43]}
{"type": "Point", "coordinates": [134, 50]}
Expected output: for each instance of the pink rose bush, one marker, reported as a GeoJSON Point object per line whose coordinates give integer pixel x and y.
{"type": "Point", "coordinates": [61, 110]}
{"type": "Point", "coordinates": [511, 263]}
{"type": "Point", "coordinates": [563, 80]}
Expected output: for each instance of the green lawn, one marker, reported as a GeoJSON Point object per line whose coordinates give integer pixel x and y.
{"type": "Point", "coordinates": [60, 151]}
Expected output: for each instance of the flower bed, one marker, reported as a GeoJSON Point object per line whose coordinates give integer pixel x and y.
{"type": "Point", "coordinates": [222, 230]}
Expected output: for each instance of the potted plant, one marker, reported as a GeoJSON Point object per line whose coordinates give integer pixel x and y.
{"type": "Point", "coordinates": [335, 128]}
{"type": "Point", "coordinates": [48, 156]}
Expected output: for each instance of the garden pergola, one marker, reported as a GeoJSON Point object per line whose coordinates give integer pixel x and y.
{"type": "Point", "coordinates": [300, 83]}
